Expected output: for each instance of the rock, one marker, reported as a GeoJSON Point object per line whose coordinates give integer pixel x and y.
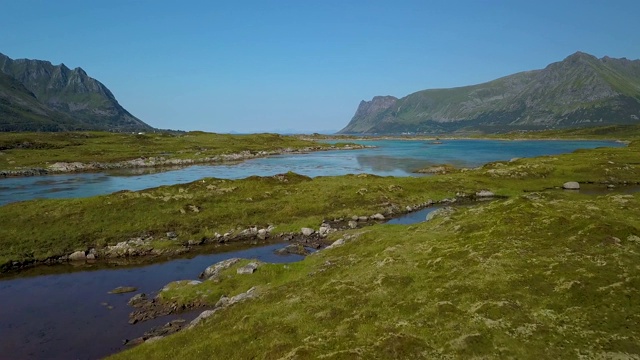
{"type": "Point", "coordinates": [250, 268]}
{"type": "Point", "coordinates": [262, 234]}
{"type": "Point", "coordinates": [355, 217]}
{"type": "Point", "coordinates": [378, 217]}
{"type": "Point", "coordinates": [205, 314]}
{"type": "Point", "coordinates": [194, 242]}
{"type": "Point", "coordinates": [485, 193]}
{"type": "Point", "coordinates": [137, 299]}
{"type": "Point", "coordinates": [194, 282]}
{"type": "Point", "coordinates": [571, 185]}
{"type": "Point", "coordinates": [123, 289]}
{"type": "Point", "coordinates": [363, 218]}
{"type": "Point", "coordinates": [77, 256]}
{"type": "Point", "coordinates": [172, 235]}
{"type": "Point", "coordinates": [307, 231]}
{"type": "Point", "coordinates": [324, 230]}
{"type": "Point", "coordinates": [91, 257]}
{"type": "Point", "coordinates": [215, 269]}
{"type": "Point", "coordinates": [336, 243]}
{"type": "Point", "coordinates": [409, 208]}
{"type": "Point", "coordinates": [352, 224]}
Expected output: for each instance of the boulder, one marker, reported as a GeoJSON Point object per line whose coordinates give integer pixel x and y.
{"type": "Point", "coordinates": [571, 185]}
{"type": "Point", "coordinates": [378, 217]}
{"type": "Point", "coordinates": [137, 299]}
{"type": "Point", "coordinates": [484, 193]}
{"type": "Point", "coordinates": [324, 230]}
{"type": "Point", "coordinates": [77, 256]}
{"type": "Point", "coordinates": [336, 243]}
{"type": "Point", "coordinates": [307, 231]}
{"type": "Point", "coordinates": [250, 268]}
{"type": "Point", "coordinates": [215, 269]}
{"type": "Point", "coordinates": [353, 224]}
{"type": "Point", "coordinates": [262, 234]}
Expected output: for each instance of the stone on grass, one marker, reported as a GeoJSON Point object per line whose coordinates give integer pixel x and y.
{"type": "Point", "coordinates": [571, 185]}
{"type": "Point", "coordinates": [353, 224]}
{"type": "Point", "coordinates": [215, 269]}
{"type": "Point", "coordinates": [485, 193]}
{"type": "Point", "coordinates": [250, 268]}
{"type": "Point", "coordinates": [307, 231]}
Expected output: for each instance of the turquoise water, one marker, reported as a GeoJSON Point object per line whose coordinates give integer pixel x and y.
{"type": "Point", "coordinates": [389, 158]}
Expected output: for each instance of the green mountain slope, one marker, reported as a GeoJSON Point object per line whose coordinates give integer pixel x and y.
{"type": "Point", "coordinates": [37, 95]}
{"type": "Point", "coordinates": [581, 90]}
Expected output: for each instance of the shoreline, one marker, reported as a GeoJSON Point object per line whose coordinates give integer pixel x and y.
{"type": "Point", "coordinates": [158, 162]}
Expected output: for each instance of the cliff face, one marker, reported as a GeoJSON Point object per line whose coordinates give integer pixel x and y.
{"type": "Point", "coordinates": [69, 98]}
{"type": "Point", "coordinates": [578, 91]}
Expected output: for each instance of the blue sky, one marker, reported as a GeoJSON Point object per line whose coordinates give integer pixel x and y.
{"type": "Point", "coordinates": [253, 66]}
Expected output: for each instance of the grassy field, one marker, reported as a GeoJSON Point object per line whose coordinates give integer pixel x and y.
{"type": "Point", "coordinates": [543, 274]}
{"type": "Point", "coordinates": [39, 150]}
{"type": "Point", "coordinates": [36, 230]}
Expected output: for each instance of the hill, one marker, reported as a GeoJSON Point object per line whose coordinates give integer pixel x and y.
{"type": "Point", "coordinates": [581, 90]}
{"type": "Point", "coordinates": [38, 96]}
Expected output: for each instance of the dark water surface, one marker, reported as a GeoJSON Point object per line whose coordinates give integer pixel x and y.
{"type": "Point", "coordinates": [389, 158]}
{"type": "Point", "coordinates": [64, 316]}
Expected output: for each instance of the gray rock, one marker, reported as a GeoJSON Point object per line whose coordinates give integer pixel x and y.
{"type": "Point", "coordinates": [123, 289]}
{"type": "Point", "coordinates": [307, 231]}
{"type": "Point", "coordinates": [353, 224]}
{"type": "Point", "coordinates": [324, 230]}
{"type": "Point", "coordinates": [137, 299]}
{"type": "Point", "coordinates": [485, 193]}
{"type": "Point", "coordinates": [215, 269]}
{"type": "Point", "coordinates": [262, 234]}
{"type": "Point", "coordinates": [363, 218]}
{"type": "Point", "coordinates": [172, 235]}
{"type": "Point", "coordinates": [336, 243]}
{"type": "Point", "coordinates": [250, 268]}
{"type": "Point", "coordinates": [205, 314]}
{"type": "Point", "coordinates": [571, 185]}
{"type": "Point", "coordinates": [91, 257]}
{"type": "Point", "coordinates": [378, 217]}
{"type": "Point", "coordinates": [77, 256]}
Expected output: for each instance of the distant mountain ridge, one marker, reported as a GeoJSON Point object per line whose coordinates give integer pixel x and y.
{"type": "Point", "coordinates": [581, 90]}
{"type": "Point", "coordinates": [36, 95]}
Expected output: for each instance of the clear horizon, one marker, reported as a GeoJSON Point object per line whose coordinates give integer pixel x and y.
{"type": "Point", "coordinates": [255, 66]}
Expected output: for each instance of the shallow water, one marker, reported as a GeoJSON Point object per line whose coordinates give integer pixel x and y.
{"type": "Point", "coordinates": [389, 158]}
{"type": "Point", "coordinates": [413, 217]}
{"type": "Point", "coordinates": [63, 316]}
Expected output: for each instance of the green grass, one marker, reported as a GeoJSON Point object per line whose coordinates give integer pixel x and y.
{"type": "Point", "coordinates": [39, 229]}
{"type": "Point", "coordinates": [551, 275]}
{"type": "Point", "coordinates": [33, 150]}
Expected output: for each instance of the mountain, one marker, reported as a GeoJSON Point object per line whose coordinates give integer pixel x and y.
{"type": "Point", "coordinates": [38, 96]}
{"type": "Point", "coordinates": [581, 90]}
